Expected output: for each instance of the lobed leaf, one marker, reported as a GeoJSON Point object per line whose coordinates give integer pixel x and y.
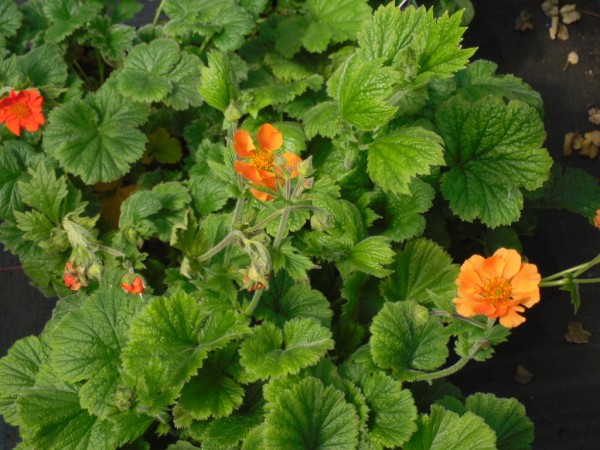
{"type": "Point", "coordinates": [96, 138]}
{"type": "Point", "coordinates": [506, 416]}
{"type": "Point", "coordinates": [422, 272]}
{"type": "Point", "coordinates": [396, 158]}
{"type": "Point", "coordinates": [304, 340]}
{"type": "Point", "coordinates": [405, 345]}
{"type": "Point", "coordinates": [444, 429]}
{"type": "Point", "coordinates": [310, 415]}
{"type": "Point", "coordinates": [493, 151]}
{"type": "Point", "coordinates": [18, 370]}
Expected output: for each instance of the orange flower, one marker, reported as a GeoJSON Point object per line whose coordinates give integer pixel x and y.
{"type": "Point", "coordinates": [597, 219]}
{"type": "Point", "coordinates": [22, 110]}
{"type": "Point", "coordinates": [135, 287]}
{"type": "Point", "coordinates": [498, 286]}
{"type": "Point", "coordinates": [260, 167]}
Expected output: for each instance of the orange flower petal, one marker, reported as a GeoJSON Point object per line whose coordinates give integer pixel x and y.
{"type": "Point", "coordinates": [260, 195]}
{"type": "Point", "coordinates": [512, 262]}
{"type": "Point", "coordinates": [246, 170]}
{"type": "Point", "coordinates": [269, 138]}
{"type": "Point", "coordinates": [292, 163]}
{"type": "Point", "coordinates": [511, 319]}
{"type": "Point", "coordinates": [597, 219]}
{"type": "Point", "coordinates": [243, 144]}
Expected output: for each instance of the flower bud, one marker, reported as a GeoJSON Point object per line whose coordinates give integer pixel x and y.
{"type": "Point", "coordinates": [308, 183]}
{"type": "Point", "coordinates": [232, 113]}
{"type": "Point", "coordinates": [321, 220]}
{"type": "Point", "coordinates": [306, 167]}
{"type": "Point", "coordinates": [420, 315]}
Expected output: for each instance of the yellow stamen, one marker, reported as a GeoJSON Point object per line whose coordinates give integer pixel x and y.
{"type": "Point", "coordinates": [497, 290]}
{"type": "Point", "coordinates": [262, 159]}
{"type": "Point", "coordinates": [20, 110]}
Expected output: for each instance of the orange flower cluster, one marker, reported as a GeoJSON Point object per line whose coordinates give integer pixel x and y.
{"type": "Point", "coordinates": [135, 287]}
{"type": "Point", "coordinates": [73, 278]}
{"type": "Point", "coordinates": [22, 110]}
{"type": "Point", "coordinates": [597, 219]}
{"type": "Point", "coordinates": [258, 164]}
{"type": "Point", "coordinates": [499, 287]}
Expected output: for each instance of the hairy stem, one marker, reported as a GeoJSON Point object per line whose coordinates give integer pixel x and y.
{"type": "Point", "coordinates": [462, 362]}
{"type": "Point", "coordinates": [459, 317]}
{"type": "Point", "coordinates": [252, 306]}
{"type": "Point", "coordinates": [158, 12]}
{"type": "Point", "coordinates": [221, 245]}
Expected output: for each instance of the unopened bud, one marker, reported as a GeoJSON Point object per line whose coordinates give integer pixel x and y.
{"type": "Point", "coordinates": [260, 256]}
{"type": "Point", "coordinates": [232, 113]}
{"type": "Point", "coordinates": [306, 167]}
{"type": "Point", "coordinates": [308, 183]}
{"type": "Point", "coordinates": [420, 315]}
{"type": "Point", "coordinates": [321, 220]}
{"type": "Point", "coordinates": [95, 271]}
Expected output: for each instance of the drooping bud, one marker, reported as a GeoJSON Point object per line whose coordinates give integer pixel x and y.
{"type": "Point", "coordinates": [306, 167]}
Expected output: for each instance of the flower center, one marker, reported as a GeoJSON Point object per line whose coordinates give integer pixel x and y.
{"type": "Point", "coordinates": [20, 110]}
{"type": "Point", "coordinates": [497, 290]}
{"type": "Point", "coordinates": [262, 159]}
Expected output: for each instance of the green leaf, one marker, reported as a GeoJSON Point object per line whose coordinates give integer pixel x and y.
{"type": "Point", "coordinates": [136, 210]}
{"type": "Point", "coordinates": [442, 430]}
{"type": "Point", "coordinates": [209, 193]}
{"type": "Point", "coordinates": [404, 211]}
{"type": "Point", "coordinates": [113, 41]}
{"type": "Point", "coordinates": [219, 82]}
{"type": "Point", "coordinates": [10, 18]}
{"type": "Point", "coordinates": [35, 226]}
{"type": "Point", "coordinates": [469, 336]}
{"type": "Point", "coordinates": [392, 410]}
{"type": "Point", "coordinates": [45, 67]}
{"type": "Point", "coordinates": [323, 23]}
{"type": "Point", "coordinates": [415, 43]}
{"type": "Point", "coordinates": [368, 256]}
{"type": "Point", "coordinates": [422, 272]}
{"type": "Point", "coordinates": [12, 168]}
{"type": "Point", "coordinates": [295, 264]}
{"type": "Point", "coordinates": [493, 151]}
{"type": "Point", "coordinates": [397, 157]}
{"type": "Point", "coordinates": [225, 22]}
{"type": "Point", "coordinates": [403, 344]}
{"type": "Point", "coordinates": [44, 192]}
{"type": "Point", "coordinates": [185, 81]}
{"type": "Point", "coordinates": [126, 10]}
{"type": "Point", "coordinates": [311, 416]}
{"type": "Point", "coordinates": [96, 138]}
{"type": "Point", "coordinates": [174, 199]}
{"type": "Point", "coordinates": [179, 331]}
{"type": "Point", "coordinates": [304, 340]}
{"type": "Point", "coordinates": [145, 76]}
{"type": "Point", "coordinates": [66, 16]}
{"type": "Point", "coordinates": [53, 418]}
{"type": "Point", "coordinates": [506, 416]}
{"type": "Point", "coordinates": [322, 119]}
{"type": "Point", "coordinates": [480, 79]}
{"type": "Point", "coordinates": [18, 370]}
{"type": "Point", "coordinates": [213, 392]}
{"type": "Point", "coordinates": [362, 90]}
{"type": "Point", "coordinates": [572, 189]}
{"type": "Point", "coordinates": [87, 344]}
{"type": "Point", "coordinates": [295, 302]}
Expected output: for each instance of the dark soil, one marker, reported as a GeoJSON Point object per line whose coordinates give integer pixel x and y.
{"type": "Point", "coordinates": [563, 398]}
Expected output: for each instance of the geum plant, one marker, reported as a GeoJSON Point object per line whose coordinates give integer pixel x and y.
{"type": "Point", "coordinates": [246, 208]}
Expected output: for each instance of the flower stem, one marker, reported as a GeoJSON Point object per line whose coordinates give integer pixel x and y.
{"type": "Point", "coordinates": [252, 306]}
{"type": "Point", "coordinates": [278, 213]}
{"type": "Point", "coordinates": [285, 214]}
{"type": "Point", "coordinates": [459, 317]}
{"type": "Point", "coordinates": [158, 12]}
{"type": "Point", "coordinates": [577, 270]}
{"type": "Point", "coordinates": [221, 245]}
{"type": "Point", "coordinates": [564, 281]}
{"type": "Point", "coordinates": [100, 63]}
{"type": "Point", "coordinates": [462, 362]}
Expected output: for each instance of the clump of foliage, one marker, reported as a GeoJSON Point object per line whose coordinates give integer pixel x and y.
{"type": "Point", "coordinates": [217, 292]}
